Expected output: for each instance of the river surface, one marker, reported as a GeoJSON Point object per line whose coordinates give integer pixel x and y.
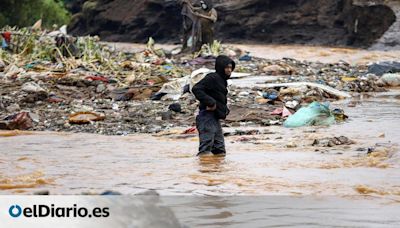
{"type": "Point", "coordinates": [300, 52]}
{"type": "Point", "coordinates": [280, 164]}
{"type": "Point", "coordinates": [66, 163]}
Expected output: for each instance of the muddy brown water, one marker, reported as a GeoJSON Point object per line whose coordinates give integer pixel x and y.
{"type": "Point", "coordinates": [68, 163]}
{"type": "Point", "coordinates": [300, 52]}
{"type": "Point", "coordinates": [85, 163]}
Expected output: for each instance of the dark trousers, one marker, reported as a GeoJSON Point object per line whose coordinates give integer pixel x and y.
{"type": "Point", "coordinates": [210, 133]}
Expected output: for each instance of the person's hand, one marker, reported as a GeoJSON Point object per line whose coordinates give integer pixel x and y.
{"type": "Point", "coordinates": [211, 108]}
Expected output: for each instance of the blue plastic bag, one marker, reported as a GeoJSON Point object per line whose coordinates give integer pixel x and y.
{"type": "Point", "coordinates": [4, 44]}
{"type": "Point", "coordinates": [315, 114]}
{"type": "Point", "coordinates": [246, 58]}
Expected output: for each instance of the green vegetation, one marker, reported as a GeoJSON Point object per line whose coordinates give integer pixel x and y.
{"type": "Point", "coordinates": [23, 13]}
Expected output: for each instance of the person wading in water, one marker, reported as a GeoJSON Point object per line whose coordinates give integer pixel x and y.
{"type": "Point", "coordinates": [212, 93]}
{"type": "Point", "coordinates": [198, 23]}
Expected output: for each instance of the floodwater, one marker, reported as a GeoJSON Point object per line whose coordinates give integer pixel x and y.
{"type": "Point", "coordinates": [261, 181]}
{"type": "Point", "coordinates": [322, 54]}
{"type": "Point", "coordinates": [281, 164]}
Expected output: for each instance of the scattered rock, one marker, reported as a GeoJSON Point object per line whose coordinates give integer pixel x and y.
{"type": "Point", "coordinates": [261, 100]}
{"type": "Point", "coordinates": [242, 132]}
{"type": "Point", "coordinates": [291, 145]}
{"type": "Point", "coordinates": [176, 107]}
{"type": "Point", "coordinates": [110, 193]}
{"type": "Point", "coordinates": [42, 193]}
{"type": "Point", "coordinates": [292, 104]}
{"type": "Point", "coordinates": [352, 104]}
{"type": "Point", "coordinates": [167, 115]}
{"type": "Point", "coordinates": [2, 65]}
{"type": "Point", "coordinates": [331, 142]}
{"type": "Point", "coordinates": [382, 68]}
{"type": "Point", "coordinates": [274, 70]}
{"type": "Point", "coordinates": [13, 71]}
{"type": "Point", "coordinates": [148, 193]}
{"type": "Point", "coordinates": [35, 117]}
{"type": "Point", "coordinates": [101, 88]}
{"type": "Point", "coordinates": [35, 92]}
{"type": "Point", "coordinates": [13, 108]}
{"type": "Point", "coordinates": [60, 122]}
{"type": "Point", "coordinates": [32, 87]}
{"type": "Point", "coordinates": [244, 94]}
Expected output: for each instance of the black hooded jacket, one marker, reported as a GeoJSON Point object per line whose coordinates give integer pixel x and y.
{"type": "Point", "coordinates": [212, 89]}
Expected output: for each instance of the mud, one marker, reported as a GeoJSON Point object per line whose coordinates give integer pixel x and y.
{"type": "Point", "coordinates": [284, 22]}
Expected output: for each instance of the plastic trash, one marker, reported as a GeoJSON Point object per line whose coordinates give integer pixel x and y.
{"type": "Point", "coordinates": [37, 25]}
{"type": "Point", "coordinates": [4, 44]}
{"type": "Point", "coordinates": [168, 67]}
{"type": "Point", "coordinates": [157, 96]}
{"type": "Point", "coordinates": [313, 115]}
{"type": "Point", "coordinates": [6, 40]}
{"type": "Point", "coordinates": [284, 112]}
{"type": "Point", "coordinates": [19, 121]}
{"type": "Point", "coordinates": [190, 41]}
{"type": "Point", "coordinates": [390, 80]}
{"type": "Point", "coordinates": [325, 88]}
{"type": "Point", "coordinates": [270, 96]}
{"type": "Point", "coordinates": [176, 107]}
{"type": "Point", "coordinates": [97, 78]}
{"type": "Point", "coordinates": [245, 57]}
{"type": "Point", "coordinates": [277, 111]}
{"type": "Point", "coordinates": [192, 130]}
{"type": "Point", "coordinates": [32, 87]}
{"type": "Point", "coordinates": [339, 115]}
{"type": "Point", "coordinates": [175, 88]}
{"type": "Point", "coordinates": [7, 36]}
{"type": "Point", "coordinates": [292, 104]}
{"type": "Point", "coordinates": [85, 117]}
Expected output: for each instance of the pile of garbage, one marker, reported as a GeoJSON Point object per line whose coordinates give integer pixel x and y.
{"type": "Point", "coordinates": [52, 81]}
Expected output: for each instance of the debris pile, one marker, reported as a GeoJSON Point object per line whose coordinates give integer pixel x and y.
{"type": "Point", "coordinates": [79, 84]}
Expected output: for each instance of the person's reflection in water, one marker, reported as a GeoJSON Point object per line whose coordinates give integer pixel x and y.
{"type": "Point", "coordinates": [211, 164]}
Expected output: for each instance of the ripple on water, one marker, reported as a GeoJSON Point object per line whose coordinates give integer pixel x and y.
{"type": "Point", "coordinates": [32, 180]}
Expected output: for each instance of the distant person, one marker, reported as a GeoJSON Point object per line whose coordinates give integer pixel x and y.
{"type": "Point", "coordinates": [212, 93]}
{"type": "Point", "coordinates": [198, 24]}
{"type": "Point", "coordinates": [6, 40]}
{"type": "Point", "coordinates": [67, 45]}
{"type": "Point", "coordinates": [188, 19]}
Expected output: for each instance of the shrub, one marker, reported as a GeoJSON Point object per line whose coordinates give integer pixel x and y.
{"type": "Point", "coordinates": [26, 12]}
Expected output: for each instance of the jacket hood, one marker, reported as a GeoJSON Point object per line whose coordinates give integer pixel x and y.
{"type": "Point", "coordinates": [221, 62]}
